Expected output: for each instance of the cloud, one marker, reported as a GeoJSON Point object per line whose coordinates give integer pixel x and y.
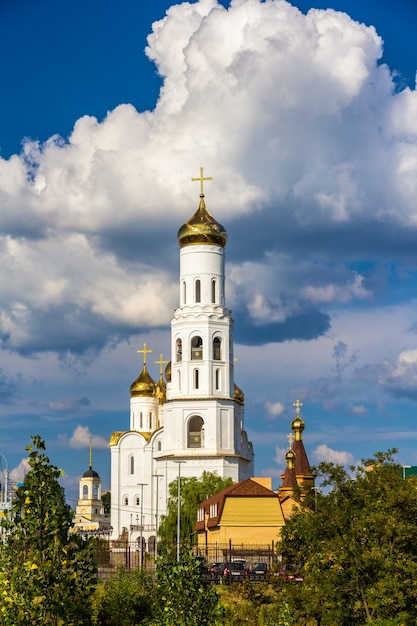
{"type": "Point", "coordinates": [358, 409]}
{"type": "Point", "coordinates": [319, 163]}
{"type": "Point", "coordinates": [68, 405]}
{"type": "Point", "coordinates": [324, 453]}
{"type": "Point", "coordinates": [17, 474]}
{"type": "Point", "coordinates": [274, 409]}
{"type": "Point", "coordinates": [81, 439]}
{"type": "Point", "coordinates": [398, 378]}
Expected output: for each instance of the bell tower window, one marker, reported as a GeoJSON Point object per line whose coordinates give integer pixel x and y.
{"type": "Point", "coordinates": [213, 291]}
{"type": "Point", "coordinates": [198, 290]}
{"type": "Point", "coordinates": [217, 379]}
{"type": "Point", "coordinates": [195, 431]}
{"type": "Point", "coordinates": [196, 348]}
{"type": "Point", "coordinates": [196, 379]}
{"type": "Point", "coordinates": [178, 350]}
{"type": "Point", "coordinates": [85, 492]}
{"type": "Point", "coordinates": [217, 349]}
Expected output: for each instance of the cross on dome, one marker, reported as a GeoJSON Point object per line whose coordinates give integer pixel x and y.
{"type": "Point", "coordinates": [298, 406]}
{"type": "Point", "coordinates": [161, 362]}
{"type": "Point", "coordinates": [290, 438]}
{"type": "Point", "coordinates": [202, 179]}
{"type": "Point", "coordinates": [144, 352]}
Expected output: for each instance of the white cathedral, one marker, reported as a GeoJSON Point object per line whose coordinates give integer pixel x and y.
{"type": "Point", "coordinates": [193, 421]}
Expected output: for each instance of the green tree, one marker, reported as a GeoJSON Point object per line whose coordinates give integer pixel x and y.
{"type": "Point", "coordinates": [46, 576]}
{"type": "Point", "coordinates": [125, 599]}
{"type": "Point", "coordinates": [182, 596]}
{"type": "Point", "coordinates": [359, 550]}
{"type": "Point", "coordinates": [193, 492]}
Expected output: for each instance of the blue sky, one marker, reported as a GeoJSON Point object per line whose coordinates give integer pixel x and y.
{"type": "Point", "coordinates": [307, 122]}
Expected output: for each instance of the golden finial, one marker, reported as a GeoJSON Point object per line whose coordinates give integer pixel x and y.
{"type": "Point", "coordinates": [161, 363]}
{"type": "Point", "coordinates": [298, 406]}
{"type": "Point", "coordinates": [145, 352]}
{"type": "Point", "coordinates": [202, 179]}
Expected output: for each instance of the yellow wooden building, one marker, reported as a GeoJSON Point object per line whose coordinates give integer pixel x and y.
{"type": "Point", "coordinates": [247, 512]}
{"type": "Point", "coordinates": [250, 512]}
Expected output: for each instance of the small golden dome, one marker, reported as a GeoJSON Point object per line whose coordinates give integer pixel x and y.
{"type": "Point", "coordinates": [290, 456]}
{"type": "Point", "coordinates": [297, 425]}
{"type": "Point", "coordinates": [168, 372]}
{"type": "Point", "coordinates": [202, 228]}
{"type": "Point", "coordinates": [144, 385]}
{"type": "Point", "coordinates": [239, 396]}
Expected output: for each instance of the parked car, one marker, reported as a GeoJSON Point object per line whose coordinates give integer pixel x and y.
{"type": "Point", "coordinates": [291, 572]}
{"type": "Point", "coordinates": [233, 572]}
{"type": "Point", "coordinates": [258, 571]}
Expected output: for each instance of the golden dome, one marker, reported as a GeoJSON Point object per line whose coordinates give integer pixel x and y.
{"type": "Point", "coordinates": [168, 372]}
{"type": "Point", "coordinates": [144, 385]}
{"type": "Point", "coordinates": [238, 395]}
{"type": "Point", "coordinates": [202, 228]}
{"type": "Point", "coordinates": [297, 425]}
{"type": "Point", "coordinates": [289, 457]}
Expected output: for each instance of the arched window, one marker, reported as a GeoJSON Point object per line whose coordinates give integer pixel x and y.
{"type": "Point", "coordinates": [178, 350]}
{"type": "Point", "coordinates": [137, 500]}
{"type": "Point", "coordinates": [150, 421]}
{"type": "Point", "coordinates": [196, 348]}
{"type": "Point", "coordinates": [195, 430]}
{"type": "Point", "coordinates": [141, 420]}
{"type": "Point", "coordinates": [217, 381]}
{"type": "Point", "coordinates": [85, 491]}
{"type": "Point", "coordinates": [213, 291]}
{"type": "Point", "coordinates": [198, 290]}
{"type": "Point", "coordinates": [95, 492]}
{"type": "Point", "coordinates": [217, 349]}
{"type": "Point", "coordinates": [126, 501]}
{"type": "Point", "coordinates": [159, 446]}
{"type": "Point", "coordinates": [196, 379]}
{"type": "Point", "coordinates": [131, 464]}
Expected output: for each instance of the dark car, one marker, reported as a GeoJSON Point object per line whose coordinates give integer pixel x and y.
{"type": "Point", "coordinates": [215, 570]}
{"type": "Point", "coordinates": [258, 571]}
{"type": "Point", "coordinates": [291, 573]}
{"type": "Point", "coordinates": [233, 572]}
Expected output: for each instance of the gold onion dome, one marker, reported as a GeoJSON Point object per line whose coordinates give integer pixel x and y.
{"type": "Point", "coordinates": [144, 385]}
{"type": "Point", "coordinates": [298, 424]}
{"type": "Point", "coordinates": [168, 372]}
{"type": "Point", "coordinates": [202, 228]}
{"type": "Point", "coordinates": [290, 456]}
{"type": "Point", "coordinates": [239, 396]}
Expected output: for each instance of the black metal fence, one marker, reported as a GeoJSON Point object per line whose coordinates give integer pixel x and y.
{"type": "Point", "coordinates": [112, 554]}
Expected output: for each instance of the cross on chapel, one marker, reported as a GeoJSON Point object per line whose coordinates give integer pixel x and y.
{"type": "Point", "coordinates": [298, 406]}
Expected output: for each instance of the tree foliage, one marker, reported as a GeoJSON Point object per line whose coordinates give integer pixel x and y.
{"type": "Point", "coordinates": [125, 599]}
{"type": "Point", "coordinates": [46, 576]}
{"type": "Point", "coordinates": [359, 550]}
{"type": "Point", "coordinates": [193, 492]}
{"type": "Point", "coordinates": [181, 594]}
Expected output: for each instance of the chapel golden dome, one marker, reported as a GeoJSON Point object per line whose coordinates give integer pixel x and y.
{"type": "Point", "coordinates": [202, 228]}
{"type": "Point", "coordinates": [298, 425]}
{"type": "Point", "coordinates": [144, 385]}
{"type": "Point", "coordinates": [290, 457]}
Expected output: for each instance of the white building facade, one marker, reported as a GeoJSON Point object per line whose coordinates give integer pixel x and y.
{"type": "Point", "coordinates": [192, 420]}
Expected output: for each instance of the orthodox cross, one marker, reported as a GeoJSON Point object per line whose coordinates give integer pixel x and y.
{"type": "Point", "coordinates": [202, 179]}
{"type": "Point", "coordinates": [160, 363]}
{"type": "Point", "coordinates": [298, 406]}
{"type": "Point", "coordinates": [290, 438]}
{"type": "Point", "coordinates": [145, 352]}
